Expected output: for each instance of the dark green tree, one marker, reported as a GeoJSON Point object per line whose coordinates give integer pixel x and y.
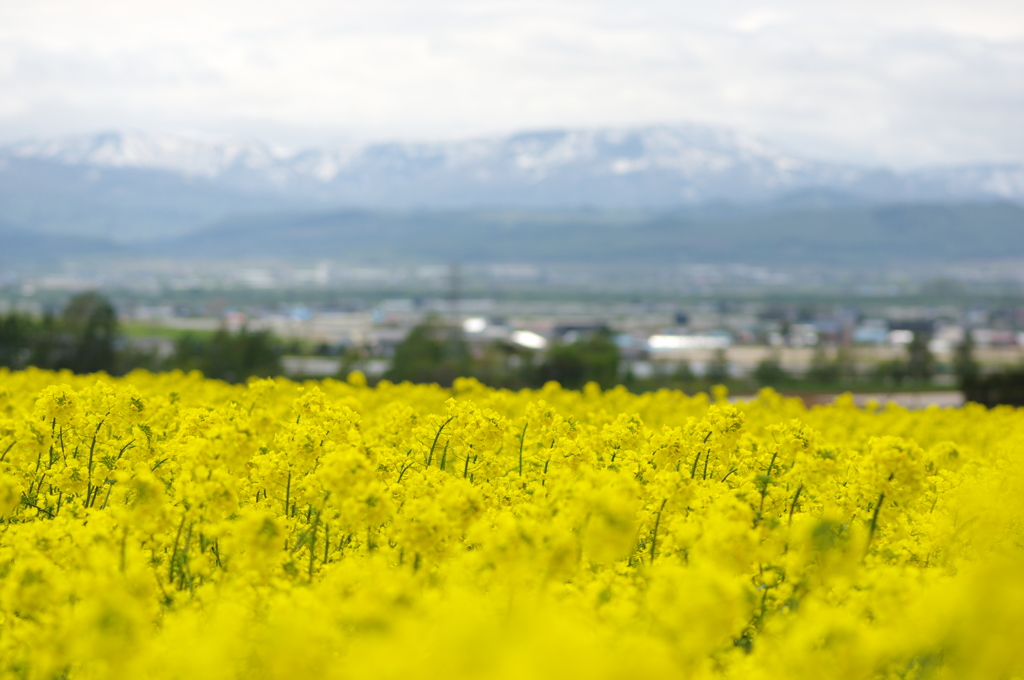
{"type": "Point", "coordinates": [592, 358]}
{"type": "Point", "coordinates": [505, 364]}
{"type": "Point", "coordinates": [232, 357]}
{"type": "Point", "coordinates": [1004, 387]}
{"type": "Point", "coordinates": [684, 374]}
{"type": "Point", "coordinates": [769, 372]}
{"type": "Point", "coordinates": [823, 370]}
{"type": "Point", "coordinates": [17, 334]}
{"type": "Point", "coordinates": [718, 368]}
{"type": "Point", "coordinates": [89, 326]}
{"type": "Point", "coordinates": [965, 366]}
{"type": "Point", "coordinates": [920, 362]}
{"type": "Point", "coordinates": [430, 353]}
{"type": "Point", "coordinates": [892, 372]}
{"type": "Point", "coordinates": [48, 345]}
{"type": "Point", "coordinates": [351, 358]}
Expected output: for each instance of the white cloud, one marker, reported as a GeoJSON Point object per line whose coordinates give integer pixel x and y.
{"type": "Point", "coordinates": [906, 82]}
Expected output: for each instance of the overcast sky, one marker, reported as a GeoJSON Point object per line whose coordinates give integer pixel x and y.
{"type": "Point", "coordinates": [889, 81]}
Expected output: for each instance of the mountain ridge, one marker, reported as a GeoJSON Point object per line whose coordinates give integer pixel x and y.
{"type": "Point", "coordinates": [851, 235]}
{"type": "Point", "coordinates": [135, 186]}
{"type": "Point", "coordinates": [689, 152]}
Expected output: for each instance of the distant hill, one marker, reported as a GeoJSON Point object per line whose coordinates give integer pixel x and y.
{"type": "Point", "coordinates": [131, 187]}
{"type": "Point", "coordinates": [848, 235]}
{"type": "Point", "coordinates": [21, 247]}
{"type": "Point", "coordinates": [125, 204]}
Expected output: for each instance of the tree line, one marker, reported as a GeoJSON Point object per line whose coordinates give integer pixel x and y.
{"type": "Point", "coordinates": [434, 352]}
{"type": "Point", "coordinates": [86, 338]}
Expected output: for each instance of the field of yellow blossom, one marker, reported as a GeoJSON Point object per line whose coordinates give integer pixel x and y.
{"type": "Point", "coordinates": [169, 526]}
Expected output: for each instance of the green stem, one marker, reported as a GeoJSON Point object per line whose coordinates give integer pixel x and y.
{"type": "Point", "coordinates": [522, 438]}
{"type": "Point", "coordinates": [312, 544]}
{"type": "Point", "coordinates": [174, 551]}
{"type": "Point", "coordinates": [792, 506]}
{"type": "Point", "coordinates": [92, 450]}
{"type": "Point", "coordinates": [430, 456]}
{"type": "Point", "coordinates": [124, 547]}
{"type": "Point", "coordinates": [109, 489]}
{"type": "Point", "coordinates": [288, 494]}
{"type": "Point", "coordinates": [36, 507]}
{"type": "Point", "coordinates": [401, 473]}
{"type": "Point", "coordinates": [327, 540]}
{"type": "Point", "coordinates": [874, 521]}
{"type": "Point", "coordinates": [657, 523]}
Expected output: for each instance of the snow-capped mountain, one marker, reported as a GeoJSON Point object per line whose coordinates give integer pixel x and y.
{"type": "Point", "coordinates": [692, 153]}
{"type": "Point", "coordinates": [127, 185]}
{"type": "Point", "coordinates": [184, 155]}
{"type": "Point", "coordinates": [1002, 181]}
{"type": "Point", "coordinates": [636, 167]}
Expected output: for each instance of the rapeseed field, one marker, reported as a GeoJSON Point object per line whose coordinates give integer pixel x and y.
{"type": "Point", "coordinates": [170, 526]}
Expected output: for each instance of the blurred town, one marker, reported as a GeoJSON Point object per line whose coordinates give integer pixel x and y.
{"type": "Point", "coordinates": [744, 327]}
